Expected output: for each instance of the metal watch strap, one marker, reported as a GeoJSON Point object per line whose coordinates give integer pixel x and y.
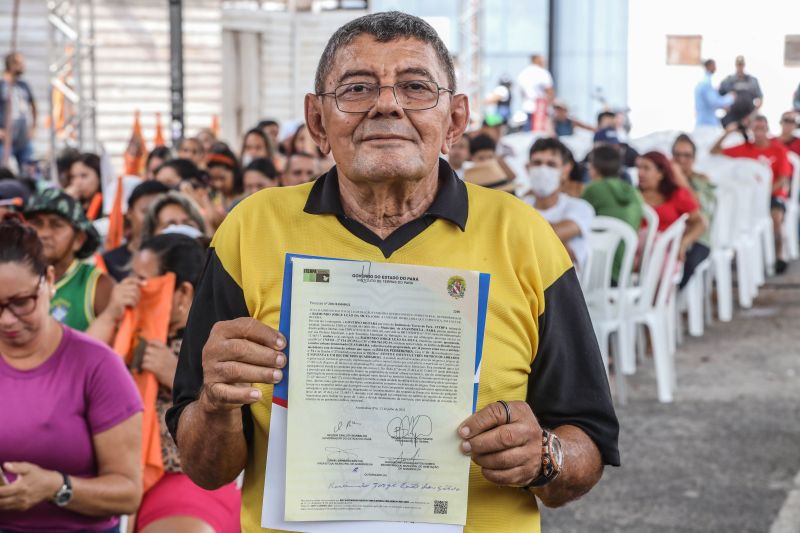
{"type": "Point", "coordinates": [63, 496]}
{"type": "Point", "coordinates": [550, 470]}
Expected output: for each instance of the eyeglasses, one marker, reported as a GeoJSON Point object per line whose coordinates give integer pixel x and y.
{"type": "Point", "coordinates": [682, 155]}
{"type": "Point", "coordinates": [787, 120]}
{"type": "Point", "coordinates": [22, 306]}
{"type": "Point", "coordinates": [412, 95]}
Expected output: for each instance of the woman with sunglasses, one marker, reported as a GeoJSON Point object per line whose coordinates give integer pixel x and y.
{"type": "Point", "coordinates": [70, 421]}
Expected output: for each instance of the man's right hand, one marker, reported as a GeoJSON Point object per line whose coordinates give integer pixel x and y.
{"type": "Point", "coordinates": [237, 354]}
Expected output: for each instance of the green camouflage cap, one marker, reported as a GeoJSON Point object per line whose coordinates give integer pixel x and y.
{"type": "Point", "coordinates": [58, 202]}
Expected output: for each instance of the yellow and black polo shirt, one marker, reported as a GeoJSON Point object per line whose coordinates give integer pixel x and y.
{"type": "Point", "coordinates": [539, 343]}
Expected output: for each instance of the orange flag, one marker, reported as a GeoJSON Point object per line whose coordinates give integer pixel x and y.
{"type": "Point", "coordinates": [148, 321]}
{"type": "Point", "coordinates": [215, 125]}
{"type": "Point", "coordinates": [159, 138]}
{"type": "Point", "coordinates": [136, 152]}
{"type": "Point", "coordinates": [116, 223]}
{"type": "Point", "coordinates": [95, 207]}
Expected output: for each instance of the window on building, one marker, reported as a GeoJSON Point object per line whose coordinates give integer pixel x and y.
{"type": "Point", "coordinates": [791, 53]}
{"type": "Point", "coordinates": [684, 49]}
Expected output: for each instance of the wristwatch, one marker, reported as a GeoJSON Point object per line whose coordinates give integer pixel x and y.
{"type": "Point", "coordinates": [552, 460]}
{"type": "Point", "coordinates": [64, 495]}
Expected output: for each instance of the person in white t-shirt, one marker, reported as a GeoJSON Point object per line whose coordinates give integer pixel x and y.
{"type": "Point", "coordinates": [548, 169]}
{"type": "Point", "coordinates": [536, 85]}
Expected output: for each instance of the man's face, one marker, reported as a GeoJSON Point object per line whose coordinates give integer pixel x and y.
{"type": "Point", "coordinates": [386, 143]}
{"type": "Point", "coordinates": [60, 240]}
{"type": "Point", "coordinates": [683, 155]}
{"type": "Point", "coordinates": [138, 211]}
{"type": "Point", "coordinates": [739, 68]}
{"type": "Point", "coordinates": [549, 158]}
{"type": "Point", "coordinates": [300, 169]}
{"type": "Point", "coordinates": [712, 67]}
{"type": "Point", "coordinates": [18, 65]}
{"type": "Point", "coordinates": [788, 124]}
{"type": "Point", "coordinates": [560, 113]}
{"type": "Point", "coordinates": [760, 131]}
{"type": "Point", "coordinates": [607, 121]}
{"type": "Point", "coordinates": [459, 153]}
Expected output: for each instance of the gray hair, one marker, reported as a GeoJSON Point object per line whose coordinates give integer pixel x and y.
{"type": "Point", "coordinates": [385, 27]}
{"type": "Point", "coordinates": [170, 198]}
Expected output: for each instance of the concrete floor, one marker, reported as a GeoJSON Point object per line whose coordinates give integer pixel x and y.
{"type": "Point", "coordinates": [723, 456]}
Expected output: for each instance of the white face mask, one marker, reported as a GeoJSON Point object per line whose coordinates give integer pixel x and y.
{"type": "Point", "coordinates": [246, 160]}
{"type": "Point", "coordinates": [544, 180]}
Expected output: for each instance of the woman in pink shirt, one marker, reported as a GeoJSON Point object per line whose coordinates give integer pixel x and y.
{"type": "Point", "coordinates": [70, 421]}
{"type": "Point", "coordinates": [661, 191]}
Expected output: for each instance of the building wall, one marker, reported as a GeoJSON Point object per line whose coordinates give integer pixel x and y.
{"type": "Point", "coordinates": [661, 96]}
{"type": "Point", "coordinates": [132, 65]}
{"type": "Point", "coordinates": [591, 55]}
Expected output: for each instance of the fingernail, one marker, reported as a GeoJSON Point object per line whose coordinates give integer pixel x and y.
{"type": "Point", "coordinates": [280, 342]}
{"type": "Point", "coordinates": [464, 432]}
{"type": "Point", "coordinates": [277, 375]}
{"type": "Point", "coordinates": [280, 360]}
{"type": "Point", "coordinates": [466, 447]}
{"type": "Point", "coordinates": [255, 394]}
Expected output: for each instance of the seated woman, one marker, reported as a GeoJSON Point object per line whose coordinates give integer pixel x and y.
{"type": "Point", "coordinates": [70, 421]}
{"type": "Point", "coordinates": [259, 174]}
{"type": "Point", "coordinates": [670, 201]}
{"type": "Point", "coordinates": [683, 154]}
{"type": "Point", "coordinates": [85, 184]}
{"type": "Point", "coordinates": [174, 503]}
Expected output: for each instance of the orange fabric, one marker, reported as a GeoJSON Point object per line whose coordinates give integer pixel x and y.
{"type": "Point", "coordinates": [100, 263]}
{"type": "Point", "coordinates": [95, 206]}
{"type": "Point", "coordinates": [159, 138]}
{"type": "Point", "coordinates": [215, 125]}
{"type": "Point", "coordinates": [116, 224]}
{"type": "Point", "coordinates": [135, 153]}
{"type": "Point", "coordinates": [150, 321]}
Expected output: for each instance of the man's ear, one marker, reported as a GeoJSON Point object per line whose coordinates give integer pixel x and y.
{"type": "Point", "coordinates": [459, 120]}
{"type": "Point", "coordinates": [315, 122]}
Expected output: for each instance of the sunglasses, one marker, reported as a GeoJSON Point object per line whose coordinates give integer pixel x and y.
{"type": "Point", "coordinates": [22, 306]}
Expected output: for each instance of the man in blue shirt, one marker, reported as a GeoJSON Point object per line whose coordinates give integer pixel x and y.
{"type": "Point", "coordinates": [707, 99]}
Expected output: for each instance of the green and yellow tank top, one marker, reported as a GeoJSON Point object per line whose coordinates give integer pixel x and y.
{"type": "Point", "coordinates": [73, 303]}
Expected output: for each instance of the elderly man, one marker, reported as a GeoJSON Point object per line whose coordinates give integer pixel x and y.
{"type": "Point", "coordinates": [385, 106]}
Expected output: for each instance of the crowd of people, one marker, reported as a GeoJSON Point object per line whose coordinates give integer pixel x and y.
{"type": "Point", "coordinates": [69, 295]}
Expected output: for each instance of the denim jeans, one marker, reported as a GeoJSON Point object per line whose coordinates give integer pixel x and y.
{"type": "Point", "coordinates": [23, 155]}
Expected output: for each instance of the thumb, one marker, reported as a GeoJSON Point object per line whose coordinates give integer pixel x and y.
{"type": "Point", "coordinates": [18, 468]}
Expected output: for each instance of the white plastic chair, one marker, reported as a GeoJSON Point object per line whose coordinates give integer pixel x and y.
{"type": "Point", "coordinates": [791, 220]}
{"type": "Point", "coordinates": [722, 251]}
{"type": "Point", "coordinates": [651, 217]}
{"type": "Point", "coordinates": [652, 307]}
{"type": "Point", "coordinates": [608, 313]}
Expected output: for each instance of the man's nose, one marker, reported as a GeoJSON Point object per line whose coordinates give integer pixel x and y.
{"type": "Point", "coordinates": [386, 103]}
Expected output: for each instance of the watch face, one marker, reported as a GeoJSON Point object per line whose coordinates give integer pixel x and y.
{"type": "Point", "coordinates": [558, 453]}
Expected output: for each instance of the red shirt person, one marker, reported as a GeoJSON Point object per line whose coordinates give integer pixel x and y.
{"type": "Point", "coordinates": [775, 154]}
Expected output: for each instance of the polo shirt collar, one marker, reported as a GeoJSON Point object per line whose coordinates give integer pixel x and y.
{"type": "Point", "coordinates": [451, 201]}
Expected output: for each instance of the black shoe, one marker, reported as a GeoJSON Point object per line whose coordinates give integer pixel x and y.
{"type": "Point", "coordinates": [780, 266]}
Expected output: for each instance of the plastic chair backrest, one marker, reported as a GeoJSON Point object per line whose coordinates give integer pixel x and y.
{"type": "Point", "coordinates": [794, 187]}
{"type": "Point", "coordinates": [723, 221]}
{"type": "Point", "coordinates": [657, 281]}
{"type": "Point", "coordinates": [597, 275]}
{"type": "Point", "coordinates": [651, 217]}
{"type": "Point", "coordinates": [628, 237]}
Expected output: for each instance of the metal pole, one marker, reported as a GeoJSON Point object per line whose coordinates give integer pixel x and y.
{"type": "Point", "coordinates": [8, 141]}
{"type": "Point", "coordinates": [78, 72]}
{"type": "Point", "coordinates": [551, 39]}
{"type": "Point", "coordinates": [92, 82]}
{"type": "Point", "coordinates": [176, 68]}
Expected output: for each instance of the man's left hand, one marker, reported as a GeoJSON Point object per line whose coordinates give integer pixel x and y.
{"type": "Point", "coordinates": [508, 453]}
{"type": "Point", "coordinates": [32, 486]}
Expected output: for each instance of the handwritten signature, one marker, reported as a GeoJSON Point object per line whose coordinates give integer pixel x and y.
{"type": "Point", "coordinates": [339, 454]}
{"type": "Point", "coordinates": [402, 459]}
{"type": "Point", "coordinates": [344, 425]}
{"type": "Point", "coordinates": [409, 428]}
{"type": "Point", "coordinates": [388, 485]}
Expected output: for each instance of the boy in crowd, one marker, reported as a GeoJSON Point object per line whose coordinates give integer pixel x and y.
{"type": "Point", "coordinates": [570, 217]}
{"type": "Point", "coordinates": [610, 195]}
